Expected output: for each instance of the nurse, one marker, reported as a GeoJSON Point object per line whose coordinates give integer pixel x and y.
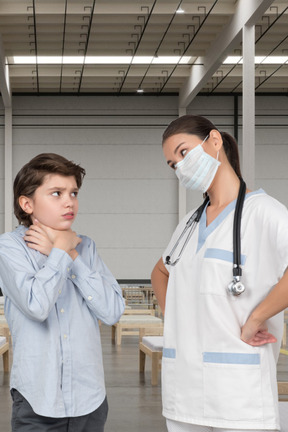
{"type": "Point", "coordinates": [214, 377]}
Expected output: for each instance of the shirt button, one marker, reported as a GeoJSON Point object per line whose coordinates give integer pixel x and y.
{"type": "Point", "coordinates": [62, 310]}
{"type": "Point", "coordinates": [65, 336]}
{"type": "Point", "coordinates": [68, 268]}
{"type": "Point", "coordinates": [73, 276]}
{"type": "Point", "coordinates": [90, 297]}
{"type": "Point", "coordinates": [59, 291]}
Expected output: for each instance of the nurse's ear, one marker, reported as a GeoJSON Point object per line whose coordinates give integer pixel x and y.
{"type": "Point", "coordinates": [216, 139]}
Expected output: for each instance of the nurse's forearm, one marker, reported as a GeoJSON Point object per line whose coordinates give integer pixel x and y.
{"type": "Point", "coordinates": [275, 302]}
{"type": "Point", "coordinates": [159, 280]}
{"type": "Point", "coordinates": [255, 331]}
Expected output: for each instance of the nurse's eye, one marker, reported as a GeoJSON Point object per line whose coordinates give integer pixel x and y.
{"type": "Point", "coordinates": [183, 152]}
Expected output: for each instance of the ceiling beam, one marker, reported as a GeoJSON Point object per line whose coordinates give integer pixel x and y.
{"type": "Point", "coordinates": [4, 78]}
{"type": "Point", "coordinates": [245, 13]}
{"type": "Point", "coordinates": [112, 7]}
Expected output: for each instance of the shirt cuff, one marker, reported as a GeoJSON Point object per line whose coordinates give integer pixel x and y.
{"type": "Point", "coordinates": [80, 268]}
{"type": "Point", "coordinates": [60, 260]}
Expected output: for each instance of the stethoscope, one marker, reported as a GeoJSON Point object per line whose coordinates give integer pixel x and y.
{"type": "Point", "coordinates": [235, 287]}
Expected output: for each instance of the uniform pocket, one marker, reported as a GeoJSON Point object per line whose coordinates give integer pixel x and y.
{"type": "Point", "coordinates": [168, 379]}
{"type": "Point", "coordinates": [217, 272]}
{"type": "Point", "coordinates": [232, 386]}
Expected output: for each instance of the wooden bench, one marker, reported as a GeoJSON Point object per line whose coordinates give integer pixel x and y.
{"type": "Point", "coordinates": [4, 347]}
{"type": "Point", "coordinates": [132, 321]}
{"type": "Point", "coordinates": [283, 408]}
{"type": "Point", "coordinates": [133, 295]}
{"type": "Point", "coordinates": [283, 391]}
{"type": "Point", "coordinates": [152, 346]}
{"type": "Point", "coordinates": [284, 338]}
{"type": "Point", "coordinates": [141, 296]}
{"type": "Point", "coordinates": [2, 301]}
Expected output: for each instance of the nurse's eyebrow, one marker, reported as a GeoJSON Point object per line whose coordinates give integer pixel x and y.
{"type": "Point", "coordinates": [179, 145]}
{"type": "Point", "coordinates": [175, 151]}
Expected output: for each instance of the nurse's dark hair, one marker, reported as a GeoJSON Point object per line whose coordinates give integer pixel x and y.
{"type": "Point", "coordinates": [201, 127]}
{"type": "Point", "coordinates": [31, 176]}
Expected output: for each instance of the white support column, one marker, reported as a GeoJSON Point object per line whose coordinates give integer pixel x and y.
{"type": "Point", "coordinates": [248, 106]}
{"type": "Point", "coordinates": [4, 77]}
{"type": "Point", "coordinates": [246, 12]}
{"type": "Point", "coordinates": [182, 194]}
{"type": "Point", "coordinates": [7, 101]}
{"type": "Point", "coordinates": [8, 190]}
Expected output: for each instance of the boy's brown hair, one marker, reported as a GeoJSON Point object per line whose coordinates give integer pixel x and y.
{"type": "Point", "coordinates": [32, 175]}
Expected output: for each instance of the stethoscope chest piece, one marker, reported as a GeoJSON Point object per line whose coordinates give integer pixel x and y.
{"type": "Point", "coordinates": [236, 287]}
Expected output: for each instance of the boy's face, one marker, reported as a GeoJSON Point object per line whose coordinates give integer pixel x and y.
{"type": "Point", "coordinates": [55, 202]}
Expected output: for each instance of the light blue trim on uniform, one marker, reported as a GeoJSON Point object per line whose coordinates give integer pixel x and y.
{"type": "Point", "coordinates": [231, 358]}
{"type": "Point", "coordinates": [169, 352]}
{"type": "Point", "coordinates": [223, 255]}
{"type": "Point", "coordinates": [205, 231]}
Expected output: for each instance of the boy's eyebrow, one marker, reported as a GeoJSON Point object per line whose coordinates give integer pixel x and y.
{"type": "Point", "coordinates": [62, 188]}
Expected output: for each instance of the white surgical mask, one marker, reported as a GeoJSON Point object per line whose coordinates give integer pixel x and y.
{"type": "Point", "coordinates": [197, 170]}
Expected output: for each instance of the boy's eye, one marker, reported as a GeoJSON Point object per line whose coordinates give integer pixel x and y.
{"type": "Point", "coordinates": [74, 194]}
{"type": "Point", "coordinates": [56, 193]}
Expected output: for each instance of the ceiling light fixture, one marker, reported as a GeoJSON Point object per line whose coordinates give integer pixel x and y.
{"type": "Point", "coordinates": [180, 10]}
{"type": "Point", "coordinates": [96, 60]}
{"type": "Point", "coordinates": [258, 60]}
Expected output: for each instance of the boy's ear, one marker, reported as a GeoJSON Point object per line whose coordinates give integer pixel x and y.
{"type": "Point", "coordinates": [26, 204]}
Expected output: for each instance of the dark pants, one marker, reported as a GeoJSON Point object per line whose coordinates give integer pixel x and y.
{"type": "Point", "coordinates": [25, 420]}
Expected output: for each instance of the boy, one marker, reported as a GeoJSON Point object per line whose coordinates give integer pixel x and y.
{"type": "Point", "coordinates": [56, 289]}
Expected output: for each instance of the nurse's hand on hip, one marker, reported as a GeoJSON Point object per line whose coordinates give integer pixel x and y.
{"type": "Point", "coordinates": [255, 333]}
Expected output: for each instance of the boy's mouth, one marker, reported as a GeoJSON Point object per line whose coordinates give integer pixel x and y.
{"type": "Point", "coordinates": [68, 216]}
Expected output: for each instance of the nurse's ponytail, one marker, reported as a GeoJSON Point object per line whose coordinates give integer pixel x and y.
{"type": "Point", "coordinates": [231, 149]}
{"type": "Point", "coordinates": [201, 127]}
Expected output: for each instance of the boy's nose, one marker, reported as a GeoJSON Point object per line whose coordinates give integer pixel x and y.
{"type": "Point", "coordinates": [68, 201]}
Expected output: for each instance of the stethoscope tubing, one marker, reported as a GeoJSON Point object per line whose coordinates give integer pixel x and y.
{"type": "Point", "coordinates": [237, 270]}
{"type": "Point", "coordinates": [235, 287]}
{"type": "Point", "coordinates": [192, 221]}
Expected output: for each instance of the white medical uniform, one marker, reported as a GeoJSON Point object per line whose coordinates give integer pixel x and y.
{"type": "Point", "coordinates": [209, 376]}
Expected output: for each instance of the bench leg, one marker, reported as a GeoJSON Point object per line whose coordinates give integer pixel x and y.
{"type": "Point", "coordinates": [284, 336]}
{"type": "Point", "coordinates": [113, 333]}
{"type": "Point", "coordinates": [6, 361]}
{"type": "Point", "coordinates": [142, 358]}
{"type": "Point", "coordinates": [155, 368]}
{"type": "Point", "coordinates": [118, 334]}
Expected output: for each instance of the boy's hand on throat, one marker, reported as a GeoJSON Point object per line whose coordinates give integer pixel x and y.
{"type": "Point", "coordinates": [66, 240]}
{"type": "Point", "coordinates": [43, 238]}
{"type": "Point", "coordinates": [37, 238]}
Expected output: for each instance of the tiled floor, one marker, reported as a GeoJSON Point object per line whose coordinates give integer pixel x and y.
{"type": "Point", "coordinates": [135, 406]}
